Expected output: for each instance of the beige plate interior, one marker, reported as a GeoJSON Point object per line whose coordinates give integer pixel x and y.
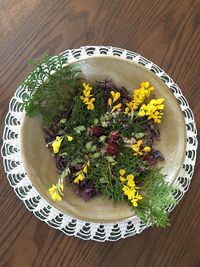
{"type": "Point", "coordinates": [39, 163]}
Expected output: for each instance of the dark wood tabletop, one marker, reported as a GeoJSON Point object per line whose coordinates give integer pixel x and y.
{"type": "Point", "coordinates": [167, 33]}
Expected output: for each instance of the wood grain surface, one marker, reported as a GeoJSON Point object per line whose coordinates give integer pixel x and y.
{"type": "Point", "coordinates": [166, 32]}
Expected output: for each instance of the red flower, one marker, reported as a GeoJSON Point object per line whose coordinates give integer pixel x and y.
{"type": "Point", "coordinates": [115, 135]}
{"type": "Point", "coordinates": [112, 149]}
{"type": "Point", "coordinates": [97, 131]}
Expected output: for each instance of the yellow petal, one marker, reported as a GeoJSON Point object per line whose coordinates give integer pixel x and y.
{"type": "Point", "coordinates": [131, 184]}
{"type": "Point", "coordinates": [151, 89]}
{"type": "Point", "coordinates": [87, 93]}
{"type": "Point", "coordinates": [87, 86]}
{"type": "Point", "coordinates": [122, 179]}
{"type": "Point", "coordinates": [52, 189]}
{"type": "Point", "coordinates": [116, 107]}
{"type": "Point", "coordinates": [147, 149]}
{"type": "Point", "coordinates": [129, 104]}
{"type": "Point", "coordinates": [139, 142]}
{"type": "Point", "coordinates": [90, 106]}
{"type": "Point", "coordinates": [141, 113]}
{"type": "Point", "coordinates": [126, 111]}
{"type": "Point", "coordinates": [56, 196]}
{"type": "Point", "coordinates": [145, 85]}
{"type": "Point", "coordinates": [116, 97]}
{"type": "Point", "coordinates": [69, 138]}
{"type": "Point", "coordinates": [113, 94]}
{"type": "Point", "coordinates": [134, 202]}
{"type": "Point", "coordinates": [160, 107]}
{"type": "Point", "coordinates": [56, 144]}
{"type": "Point", "coordinates": [110, 102]}
{"type": "Point", "coordinates": [138, 153]}
{"type": "Point", "coordinates": [79, 178]}
{"type": "Point", "coordinates": [135, 147]}
{"type": "Point", "coordinates": [130, 177]}
{"type": "Point", "coordinates": [139, 197]}
{"type": "Point", "coordinates": [160, 101]}
{"type": "Point", "coordinates": [85, 169]}
{"type": "Point", "coordinates": [122, 172]}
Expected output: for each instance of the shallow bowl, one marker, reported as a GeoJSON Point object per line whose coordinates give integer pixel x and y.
{"type": "Point", "coordinates": [40, 166]}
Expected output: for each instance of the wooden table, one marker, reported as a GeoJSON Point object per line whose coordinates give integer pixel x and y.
{"type": "Point", "coordinates": [164, 31]}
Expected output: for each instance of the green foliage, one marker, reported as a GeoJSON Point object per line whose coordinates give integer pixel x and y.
{"type": "Point", "coordinates": [49, 87]}
{"type": "Point", "coordinates": [157, 197]}
{"type": "Point", "coordinates": [126, 160]}
{"type": "Point", "coordinates": [104, 181]}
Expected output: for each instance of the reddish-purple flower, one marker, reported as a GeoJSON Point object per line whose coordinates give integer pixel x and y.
{"type": "Point", "coordinates": [97, 131]}
{"type": "Point", "coordinates": [112, 149]}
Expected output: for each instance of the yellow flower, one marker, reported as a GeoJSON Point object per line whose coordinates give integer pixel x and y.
{"type": "Point", "coordinates": [82, 173]}
{"type": "Point", "coordinates": [87, 87]}
{"type": "Point", "coordinates": [79, 178]}
{"type": "Point", "coordinates": [69, 138]}
{"type": "Point", "coordinates": [86, 97]}
{"type": "Point", "coordinates": [54, 192]}
{"type": "Point", "coordinates": [139, 96]}
{"type": "Point", "coordinates": [129, 187]}
{"type": "Point", "coordinates": [115, 96]}
{"type": "Point", "coordinates": [147, 149]}
{"type": "Point", "coordinates": [86, 166]}
{"type": "Point", "coordinates": [145, 85]}
{"type": "Point", "coordinates": [130, 181]}
{"type": "Point", "coordinates": [130, 177]}
{"type": "Point", "coordinates": [134, 201]}
{"type": "Point", "coordinates": [136, 148]}
{"type": "Point", "coordinates": [132, 105]}
{"type": "Point", "coordinates": [90, 105]}
{"type": "Point", "coordinates": [116, 107]}
{"type": "Point", "coordinates": [110, 102]}
{"type": "Point", "coordinates": [85, 169]}
{"type": "Point", "coordinates": [153, 110]}
{"type": "Point", "coordinates": [122, 172]}
{"type": "Point", "coordinates": [141, 113]}
{"type": "Point", "coordinates": [122, 179]}
{"type": "Point", "coordinates": [130, 190]}
{"type": "Point", "coordinates": [56, 144]}
{"type": "Point", "coordinates": [52, 189]}
{"type": "Point", "coordinates": [126, 111]}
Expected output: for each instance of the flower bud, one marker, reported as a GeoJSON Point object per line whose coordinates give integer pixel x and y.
{"type": "Point", "coordinates": [97, 131]}
{"type": "Point", "coordinates": [112, 149]}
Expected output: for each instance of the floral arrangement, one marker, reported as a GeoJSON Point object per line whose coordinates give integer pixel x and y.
{"type": "Point", "coordinates": [102, 138]}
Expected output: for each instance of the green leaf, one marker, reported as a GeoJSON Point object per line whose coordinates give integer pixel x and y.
{"type": "Point", "coordinates": [157, 197]}
{"type": "Point", "coordinates": [47, 94]}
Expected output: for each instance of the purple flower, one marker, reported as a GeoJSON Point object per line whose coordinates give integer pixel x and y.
{"type": "Point", "coordinates": [157, 155]}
